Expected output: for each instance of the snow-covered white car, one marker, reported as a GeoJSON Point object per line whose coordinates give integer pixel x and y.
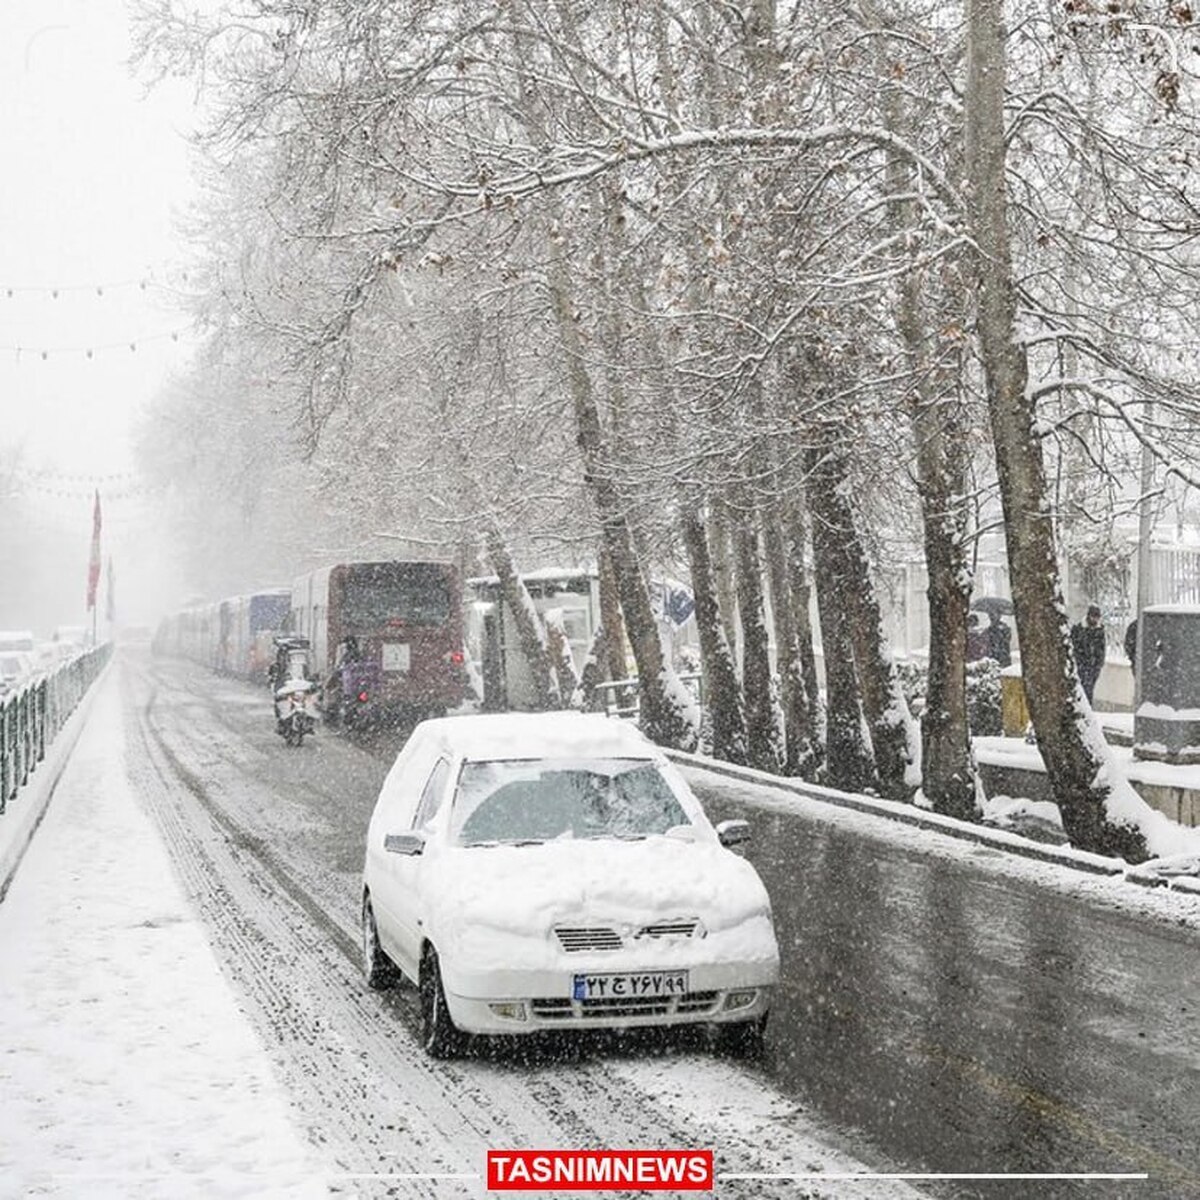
{"type": "Point", "coordinates": [531, 872]}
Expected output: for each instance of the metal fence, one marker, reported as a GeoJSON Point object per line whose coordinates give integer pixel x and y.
{"type": "Point", "coordinates": [620, 696]}
{"type": "Point", "coordinates": [32, 715]}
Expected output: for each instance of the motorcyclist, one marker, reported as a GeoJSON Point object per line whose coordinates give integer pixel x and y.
{"type": "Point", "coordinates": [348, 653]}
{"type": "Point", "coordinates": [291, 663]}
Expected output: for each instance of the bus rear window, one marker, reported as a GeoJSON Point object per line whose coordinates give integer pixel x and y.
{"type": "Point", "coordinates": [416, 593]}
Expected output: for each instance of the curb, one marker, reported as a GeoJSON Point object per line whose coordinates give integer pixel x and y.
{"type": "Point", "coordinates": [28, 807]}
{"type": "Point", "coordinates": [1080, 860]}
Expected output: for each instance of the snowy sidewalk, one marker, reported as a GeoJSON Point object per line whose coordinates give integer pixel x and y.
{"type": "Point", "coordinates": [126, 1066]}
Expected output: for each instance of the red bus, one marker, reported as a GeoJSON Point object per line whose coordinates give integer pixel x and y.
{"type": "Point", "coordinates": [387, 639]}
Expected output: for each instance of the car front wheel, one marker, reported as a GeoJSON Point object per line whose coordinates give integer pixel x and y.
{"type": "Point", "coordinates": [379, 969]}
{"type": "Point", "coordinates": [439, 1035]}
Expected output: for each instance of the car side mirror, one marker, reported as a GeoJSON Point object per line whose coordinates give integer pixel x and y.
{"type": "Point", "coordinates": [404, 843]}
{"type": "Point", "coordinates": [733, 833]}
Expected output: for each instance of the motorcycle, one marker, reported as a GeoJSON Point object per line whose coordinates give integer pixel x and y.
{"type": "Point", "coordinates": [293, 721]}
{"type": "Point", "coordinates": [295, 692]}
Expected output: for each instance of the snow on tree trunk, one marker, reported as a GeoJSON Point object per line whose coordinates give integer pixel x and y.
{"type": "Point", "coordinates": [559, 649]}
{"type": "Point", "coordinates": [666, 715]}
{"type": "Point", "coordinates": [948, 777]}
{"type": "Point", "coordinates": [948, 772]}
{"type": "Point", "coordinates": [801, 591]}
{"type": "Point", "coordinates": [587, 695]}
{"type": "Point", "coordinates": [723, 692]}
{"type": "Point", "coordinates": [721, 552]}
{"type": "Point", "coordinates": [893, 731]}
{"type": "Point", "coordinates": [531, 636]}
{"type": "Point", "coordinates": [1083, 782]}
{"type": "Point", "coordinates": [612, 655]}
{"type": "Point", "coordinates": [763, 736]}
{"type": "Point", "coordinates": [799, 753]}
{"type": "Point", "coordinates": [849, 763]}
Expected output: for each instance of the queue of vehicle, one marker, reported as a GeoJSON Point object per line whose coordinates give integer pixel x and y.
{"type": "Point", "coordinates": [527, 873]}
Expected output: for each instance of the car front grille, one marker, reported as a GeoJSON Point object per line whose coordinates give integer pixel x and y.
{"type": "Point", "coordinates": [662, 929]}
{"type": "Point", "coordinates": [576, 939]}
{"type": "Point", "coordinates": [556, 1008]}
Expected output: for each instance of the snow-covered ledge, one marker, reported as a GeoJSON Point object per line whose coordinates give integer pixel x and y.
{"type": "Point", "coordinates": [924, 818]}
{"type": "Point", "coordinates": [1180, 872]}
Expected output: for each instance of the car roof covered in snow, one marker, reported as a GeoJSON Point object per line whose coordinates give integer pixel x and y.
{"type": "Point", "coordinates": [496, 736]}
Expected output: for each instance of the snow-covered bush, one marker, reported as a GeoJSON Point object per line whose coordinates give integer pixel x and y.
{"type": "Point", "coordinates": [983, 693]}
{"type": "Point", "coordinates": [983, 698]}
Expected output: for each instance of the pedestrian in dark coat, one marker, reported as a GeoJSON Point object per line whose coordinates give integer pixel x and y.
{"type": "Point", "coordinates": [1001, 643]}
{"type": "Point", "coordinates": [1087, 640]}
{"type": "Point", "coordinates": [979, 638]}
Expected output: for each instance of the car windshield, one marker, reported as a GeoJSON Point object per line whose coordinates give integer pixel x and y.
{"type": "Point", "coordinates": [538, 800]}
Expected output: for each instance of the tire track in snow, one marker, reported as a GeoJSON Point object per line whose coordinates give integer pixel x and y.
{"type": "Point", "coordinates": [368, 1093]}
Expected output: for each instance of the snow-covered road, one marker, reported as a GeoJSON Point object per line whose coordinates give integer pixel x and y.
{"type": "Point", "coordinates": [108, 1074]}
{"type": "Point", "coordinates": [957, 1044]}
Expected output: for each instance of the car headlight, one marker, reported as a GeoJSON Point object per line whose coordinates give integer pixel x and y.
{"type": "Point", "coordinates": [510, 1010]}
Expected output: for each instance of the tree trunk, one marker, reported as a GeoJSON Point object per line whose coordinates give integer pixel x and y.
{"type": "Point", "coordinates": [666, 716]}
{"type": "Point", "coordinates": [722, 562]}
{"type": "Point", "coordinates": [849, 763]}
{"type": "Point", "coordinates": [883, 701]}
{"type": "Point", "coordinates": [801, 591]}
{"type": "Point", "coordinates": [723, 692]}
{"type": "Point", "coordinates": [797, 720]}
{"type": "Point", "coordinates": [558, 648]}
{"type": "Point", "coordinates": [762, 733]}
{"type": "Point", "coordinates": [612, 657]}
{"type": "Point", "coordinates": [947, 766]}
{"type": "Point", "coordinates": [530, 633]}
{"type": "Point", "coordinates": [587, 694]}
{"type": "Point", "coordinates": [1060, 713]}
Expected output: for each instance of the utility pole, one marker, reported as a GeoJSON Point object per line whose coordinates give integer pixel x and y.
{"type": "Point", "coordinates": [1145, 534]}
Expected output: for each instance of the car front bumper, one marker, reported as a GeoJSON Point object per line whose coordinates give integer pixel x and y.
{"type": "Point", "coordinates": [526, 1002]}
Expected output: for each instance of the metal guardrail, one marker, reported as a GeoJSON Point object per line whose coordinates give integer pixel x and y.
{"type": "Point", "coordinates": [620, 696]}
{"type": "Point", "coordinates": [31, 717]}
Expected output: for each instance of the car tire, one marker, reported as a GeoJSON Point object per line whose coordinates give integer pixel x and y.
{"type": "Point", "coordinates": [380, 971]}
{"type": "Point", "coordinates": [745, 1039]}
{"type": "Point", "coordinates": [439, 1035]}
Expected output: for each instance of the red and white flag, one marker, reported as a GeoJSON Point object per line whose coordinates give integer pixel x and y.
{"type": "Point", "coordinates": [94, 561]}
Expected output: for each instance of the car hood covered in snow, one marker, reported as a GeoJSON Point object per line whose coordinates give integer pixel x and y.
{"type": "Point", "coordinates": [527, 890]}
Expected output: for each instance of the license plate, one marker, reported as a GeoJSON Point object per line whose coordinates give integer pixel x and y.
{"type": "Point", "coordinates": [396, 656]}
{"type": "Point", "coordinates": [633, 985]}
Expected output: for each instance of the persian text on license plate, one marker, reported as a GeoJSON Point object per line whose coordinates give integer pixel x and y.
{"type": "Point", "coordinates": [633, 985]}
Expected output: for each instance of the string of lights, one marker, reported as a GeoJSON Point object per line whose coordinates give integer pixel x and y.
{"type": "Point", "coordinates": [112, 478]}
{"type": "Point", "coordinates": [12, 291]}
{"type": "Point", "coordinates": [131, 492]}
{"type": "Point", "coordinates": [44, 353]}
